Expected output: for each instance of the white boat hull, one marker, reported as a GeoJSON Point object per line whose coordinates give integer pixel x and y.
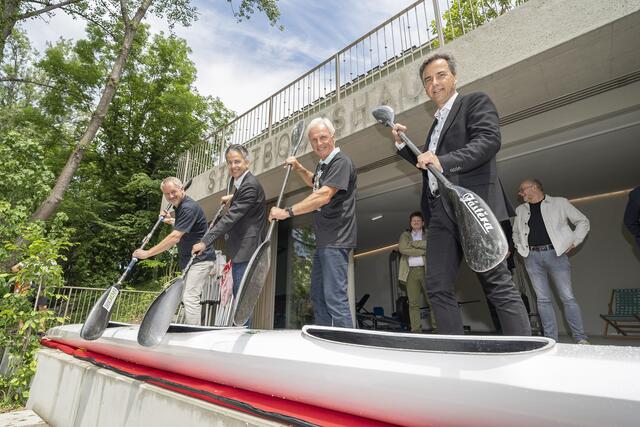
{"type": "Point", "coordinates": [551, 385]}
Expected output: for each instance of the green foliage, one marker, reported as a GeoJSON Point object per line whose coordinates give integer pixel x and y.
{"type": "Point", "coordinates": [268, 7]}
{"type": "Point", "coordinates": [24, 178]}
{"type": "Point", "coordinates": [465, 15]}
{"type": "Point", "coordinates": [20, 329]}
{"type": "Point", "coordinates": [21, 324]}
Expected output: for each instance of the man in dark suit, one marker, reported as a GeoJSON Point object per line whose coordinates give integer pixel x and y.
{"type": "Point", "coordinates": [243, 224]}
{"type": "Point", "coordinates": [462, 143]}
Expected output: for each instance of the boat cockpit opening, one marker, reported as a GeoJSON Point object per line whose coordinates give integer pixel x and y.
{"type": "Point", "coordinates": [176, 328]}
{"type": "Point", "coordinates": [432, 343]}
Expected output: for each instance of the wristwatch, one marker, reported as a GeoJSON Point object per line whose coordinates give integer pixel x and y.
{"type": "Point", "coordinates": [289, 211]}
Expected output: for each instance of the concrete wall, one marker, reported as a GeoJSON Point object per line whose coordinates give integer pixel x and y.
{"type": "Point", "coordinates": [67, 392]}
{"type": "Point", "coordinates": [607, 259]}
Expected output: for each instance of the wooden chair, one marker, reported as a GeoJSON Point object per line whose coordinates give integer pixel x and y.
{"type": "Point", "coordinates": [624, 312]}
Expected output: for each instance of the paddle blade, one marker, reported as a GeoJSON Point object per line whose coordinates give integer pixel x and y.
{"type": "Point", "coordinates": [384, 115]}
{"type": "Point", "coordinates": [296, 136]}
{"type": "Point", "coordinates": [252, 283]}
{"type": "Point", "coordinates": [99, 316]}
{"type": "Point", "coordinates": [160, 314]}
{"type": "Point", "coordinates": [483, 241]}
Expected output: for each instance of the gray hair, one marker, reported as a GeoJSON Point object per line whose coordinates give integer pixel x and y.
{"type": "Point", "coordinates": [321, 121]}
{"type": "Point", "coordinates": [451, 61]}
{"type": "Point", "coordinates": [238, 148]}
{"type": "Point", "coordinates": [172, 180]}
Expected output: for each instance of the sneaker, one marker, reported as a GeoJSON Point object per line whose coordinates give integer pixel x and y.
{"type": "Point", "coordinates": [583, 342]}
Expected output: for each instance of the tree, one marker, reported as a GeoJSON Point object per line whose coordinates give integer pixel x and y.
{"type": "Point", "coordinates": [175, 11]}
{"type": "Point", "coordinates": [155, 115]}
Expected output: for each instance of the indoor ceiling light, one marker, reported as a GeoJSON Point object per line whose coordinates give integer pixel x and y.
{"type": "Point", "coordinates": [377, 217]}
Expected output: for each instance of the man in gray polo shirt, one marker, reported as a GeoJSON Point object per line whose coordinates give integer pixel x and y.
{"type": "Point", "coordinates": [333, 203]}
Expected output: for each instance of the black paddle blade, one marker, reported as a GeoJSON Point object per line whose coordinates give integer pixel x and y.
{"type": "Point", "coordinates": [483, 241]}
{"type": "Point", "coordinates": [252, 283]}
{"type": "Point", "coordinates": [296, 136]}
{"type": "Point", "coordinates": [158, 317]}
{"type": "Point", "coordinates": [384, 115]}
{"type": "Point", "coordinates": [98, 318]}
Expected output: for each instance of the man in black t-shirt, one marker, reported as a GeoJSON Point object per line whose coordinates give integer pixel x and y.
{"type": "Point", "coordinates": [189, 225]}
{"type": "Point", "coordinates": [333, 203]}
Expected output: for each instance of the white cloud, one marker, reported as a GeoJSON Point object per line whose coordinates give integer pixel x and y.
{"type": "Point", "coordinates": [42, 30]}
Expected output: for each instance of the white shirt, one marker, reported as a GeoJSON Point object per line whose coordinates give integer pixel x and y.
{"type": "Point", "coordinates": [238, 182]}
{"type": "Point", "coordinates": [416, 261]}
{"type": "Point", "coordinates": [441, 117]}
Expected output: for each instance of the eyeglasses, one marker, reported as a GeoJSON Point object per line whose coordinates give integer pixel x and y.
{"type": "Point", "coordinates": [523, 189]}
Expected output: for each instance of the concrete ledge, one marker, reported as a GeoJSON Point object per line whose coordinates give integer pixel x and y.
{"type": "Point", "coordinates": [67, 392]}
{"type": "Point", "coordinates": [24, 418]}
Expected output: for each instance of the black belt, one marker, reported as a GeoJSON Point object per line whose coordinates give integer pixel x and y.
{"type": "Point", "coordinates": [541, 248]}
{"type": "Point", "coordinates": [434, 195]}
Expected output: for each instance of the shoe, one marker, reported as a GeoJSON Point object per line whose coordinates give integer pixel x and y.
{"type": "Point", "coordinates": [583, 342]}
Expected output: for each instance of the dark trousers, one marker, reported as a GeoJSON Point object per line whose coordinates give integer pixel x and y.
{"type": "Point", "coordinates": [444, 254]}
{"type": "Point", "coordinates": [237, 272]}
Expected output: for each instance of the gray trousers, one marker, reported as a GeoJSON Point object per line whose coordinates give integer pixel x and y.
{"type": "Point", "coordinates": [194, 282]}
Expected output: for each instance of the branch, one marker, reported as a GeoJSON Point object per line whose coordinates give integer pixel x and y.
{"type": "Point", "coordinates": [46, 9]}
{"type": "Point", "coordinates": [18, 80]}
{"type": "Point", "coordinates": [124, 12]}
{"type": "Point", "coordinates": [83, 99]}
{"type": "Point", "coordinates": [92, 20]}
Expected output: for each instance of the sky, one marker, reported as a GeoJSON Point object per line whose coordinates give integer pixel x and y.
{"type": "Point", "coordinates": [243, 63]}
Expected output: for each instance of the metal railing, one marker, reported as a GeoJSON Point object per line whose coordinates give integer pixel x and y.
{"type": "Point", "coordinates": [406, 36]}
{"type": "Point", "coordinates": [73, 303]}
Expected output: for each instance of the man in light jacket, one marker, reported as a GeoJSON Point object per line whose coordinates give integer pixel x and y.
{"type": "Point", "coordinates": [412, 246]}
{"type": "Point", "coordinates": [543, 236]}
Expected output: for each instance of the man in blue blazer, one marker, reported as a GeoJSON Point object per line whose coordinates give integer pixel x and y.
{"type": "Point", "coordinates": [462, 143]}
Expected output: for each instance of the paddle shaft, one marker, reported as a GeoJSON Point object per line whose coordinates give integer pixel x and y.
{"type": "Point", "coordinates": [294, 150]}
{"type": "Point", "coordinates": [412, 147]}
{"type": "Point", "coordinates": [264, 248]}
{"type": "Point", "coordinates": [98, 318]}
{"type": "Point", "coordinates": [158, 317]}
{"type": "Point", "coordinates": [279, 202]}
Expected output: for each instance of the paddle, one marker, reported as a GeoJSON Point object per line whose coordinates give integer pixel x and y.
{"type": "Point", "coordinates": [258, 267]}
{"type": "Point", "coordinates": [482, 239]}
{"type": "Point", "coordinates": [98, 318]}
{"type": "Point", "coordinates": [158, 317]}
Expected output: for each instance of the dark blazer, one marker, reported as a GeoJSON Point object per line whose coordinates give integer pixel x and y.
{"type": "Point", "coordinates": [244, 223]}
{"type": "Point", "coordinates": [632, 214]}
{"type": "Point", "coordinates": [467, 151]}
